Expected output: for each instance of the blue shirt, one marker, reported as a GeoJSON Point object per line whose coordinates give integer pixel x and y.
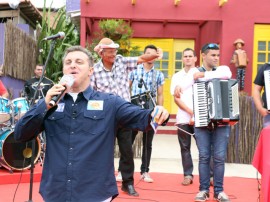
{"type": "Point", "coordinates": [79, 163]}
{"type": "Point", "coordinates": [139, 73]}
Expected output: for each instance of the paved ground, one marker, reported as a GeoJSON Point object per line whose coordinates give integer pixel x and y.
{"type": "Point", "coordinates": [166, 159]}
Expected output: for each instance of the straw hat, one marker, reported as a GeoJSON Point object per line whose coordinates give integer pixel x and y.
{"type": "Point", "coordinates": [239, 41]}
{"type": "Point", "coordinates": [105, 43]}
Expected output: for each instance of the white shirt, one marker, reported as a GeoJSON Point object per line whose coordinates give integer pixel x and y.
{"type": "Point", "coordinates": [222, 72]}
{"type": "Point", "coordinates": [182, 116]}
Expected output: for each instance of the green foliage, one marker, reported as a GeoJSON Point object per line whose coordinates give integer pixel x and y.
{"type": "Point", "coordinates": [119, 31]}
{"type": "Point", "coordinates": [60, 23]}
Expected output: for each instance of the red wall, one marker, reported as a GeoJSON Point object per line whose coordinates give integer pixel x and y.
{"type": "Point", "coordinates": [201, 20]}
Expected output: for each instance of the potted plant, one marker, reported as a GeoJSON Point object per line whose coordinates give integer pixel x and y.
{"type": "Point", "coordinates": [115, 29]}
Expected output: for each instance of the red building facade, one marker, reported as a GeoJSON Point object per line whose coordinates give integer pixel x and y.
{"type": "Point", "coordinates": [198, 20]}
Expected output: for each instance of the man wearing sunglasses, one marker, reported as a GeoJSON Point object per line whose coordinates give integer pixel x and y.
{"type": "Point", "coordinates": [214, 136]}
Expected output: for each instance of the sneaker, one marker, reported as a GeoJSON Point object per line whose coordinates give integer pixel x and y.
{"type": "Point", "coordinates": [119, 177]}
{"type": "Point", "coordinates": [222, 197]}
{"type": "Point", "coordinates": [146, 177]}
{"type": "Point", "coordinates": [202, 196]}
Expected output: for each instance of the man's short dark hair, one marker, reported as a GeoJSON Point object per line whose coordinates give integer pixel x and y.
{"type": "Point", "coordinates": [209, 46]}
{"type": "Point", "coordinates": [150, 46]}
{"type": "Point", "coordinates": [190, 49]}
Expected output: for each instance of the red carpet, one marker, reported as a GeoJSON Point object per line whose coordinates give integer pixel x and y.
{"type": "Point", "coordinates": [166, 188]}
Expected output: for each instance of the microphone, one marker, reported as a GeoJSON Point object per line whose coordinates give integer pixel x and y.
{"type": "Point", "coordinates": [56, 36]}
{"type": "Point", "coordinates": [140, 83]}
{"type": "Point", "coordinates": [69, 80]}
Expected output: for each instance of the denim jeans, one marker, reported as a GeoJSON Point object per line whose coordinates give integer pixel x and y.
{"type": "Point", "coordinates": [217, 139]}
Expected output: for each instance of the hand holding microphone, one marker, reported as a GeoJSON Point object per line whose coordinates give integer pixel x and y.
{"type": "Point", "coordinates": [56, 92]}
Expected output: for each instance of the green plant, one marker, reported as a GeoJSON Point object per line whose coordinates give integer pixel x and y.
{"type": "Point", "coordinates": [60, 23]}
{"type": "Point", "coordinates": [119, 31]}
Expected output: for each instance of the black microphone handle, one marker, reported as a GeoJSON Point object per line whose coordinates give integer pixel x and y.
{"type": "Point", "coordinates": [140, 83]}
{"type": "Point", "coordinates": [56, 98]}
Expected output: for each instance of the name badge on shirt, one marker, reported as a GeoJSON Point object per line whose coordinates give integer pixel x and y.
{"type": "Point", "coordinates": [95, 105]}
{"type": "Point", "coordinates": [60, 107]}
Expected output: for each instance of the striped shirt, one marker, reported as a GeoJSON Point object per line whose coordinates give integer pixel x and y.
{"type": "Point", "coordinates": [139, 73]}
{"type": "Point", "coordinates": [116, 80]}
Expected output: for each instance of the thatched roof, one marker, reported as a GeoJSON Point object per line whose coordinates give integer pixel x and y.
{"type": "Point", "coordinates": [26, 9]}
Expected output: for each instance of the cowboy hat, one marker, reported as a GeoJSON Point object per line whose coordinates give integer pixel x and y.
{"type": "Point", "coordinates": [105, 43]}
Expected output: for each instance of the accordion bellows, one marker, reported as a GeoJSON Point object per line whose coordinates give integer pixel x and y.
{"type": "Point", "coordinates": [216, 101]}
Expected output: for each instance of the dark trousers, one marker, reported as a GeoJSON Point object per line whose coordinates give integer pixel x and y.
{"type": "Point", "coordinates": [241, 72]}
{"type": "Point", "coordinates": [126, 163]}
{"type": "Point", "coordinates": [184, 140]}
{"type": "Point", "coordinates": [147, 148]}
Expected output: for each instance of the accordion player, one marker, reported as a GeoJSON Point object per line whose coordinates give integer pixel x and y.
{"type": "Point", "coordinates": [216, 101]}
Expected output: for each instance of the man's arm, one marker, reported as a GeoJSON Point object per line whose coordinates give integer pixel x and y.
{"type": "Point", "coordinates": [183, 106]}
{"type": "Point", "coordinates": [222, 72]}
{"type": "Point", "coordinates": [160, 97]}
{"type": "Point", "coordinates": [3, 90]}
{"type": "Point", "coordinates": [149, 57]}
{"type": "Point", "coordinates": [258, 100]}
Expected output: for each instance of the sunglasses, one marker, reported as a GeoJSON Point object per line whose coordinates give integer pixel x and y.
{"type": "Point", "coordinates": [211, 46]}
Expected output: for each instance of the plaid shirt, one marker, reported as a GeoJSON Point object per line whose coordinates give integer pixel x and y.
{"type": "Point", "coordinates": [116, 80]}
{"type": "Point", "coordinates": [139, 73]}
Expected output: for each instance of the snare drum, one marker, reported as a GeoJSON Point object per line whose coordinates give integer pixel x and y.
{"type": "Point", "coordinates": [21, 106]}
{"type": "Point", "coordinates": [143, 100]}
{"type": "Point", "coordinates": [4, 110]}
{"type": "Point", "coordinates": [16, 155]}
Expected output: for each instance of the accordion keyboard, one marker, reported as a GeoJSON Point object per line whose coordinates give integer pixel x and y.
{"type": "Point", "coordinates": [200, 104]}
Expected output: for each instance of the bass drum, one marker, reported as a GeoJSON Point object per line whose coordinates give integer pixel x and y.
{"type": "Point", "coordinates": [16, 155]}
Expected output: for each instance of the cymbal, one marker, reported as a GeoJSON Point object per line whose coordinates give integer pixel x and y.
{"type": "Point", "coordinates": [42, 84]}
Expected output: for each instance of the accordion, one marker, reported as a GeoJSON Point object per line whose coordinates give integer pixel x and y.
{"type": "Point", "coordinates": [216, 101]}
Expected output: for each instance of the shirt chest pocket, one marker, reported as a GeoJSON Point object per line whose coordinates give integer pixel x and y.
{"type": "Point", "coordinates": [94, 122]}
{"type": "Point", "coordinates": [55, 123]}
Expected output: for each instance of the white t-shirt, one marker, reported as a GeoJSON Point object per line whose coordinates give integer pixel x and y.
{"type": "Point", "coordinates": [182, 116]}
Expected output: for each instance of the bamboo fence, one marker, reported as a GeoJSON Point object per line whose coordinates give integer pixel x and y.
{"type": "Point", "coordinates": [20, 53]}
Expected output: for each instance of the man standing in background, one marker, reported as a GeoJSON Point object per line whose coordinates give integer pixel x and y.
{"type": "Point", "coordinates": [33, 93]}
{"type": "Point", "coordinates": [147, 84]}
{"type": "Point", "coordinates": [184, 118]}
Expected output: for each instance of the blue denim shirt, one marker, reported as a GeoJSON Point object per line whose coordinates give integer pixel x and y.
{"type": "Point", "coordinates": [79, 164]}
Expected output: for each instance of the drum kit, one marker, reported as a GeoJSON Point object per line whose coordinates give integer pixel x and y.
{"type": "Point", "coordinates": [15, 155]}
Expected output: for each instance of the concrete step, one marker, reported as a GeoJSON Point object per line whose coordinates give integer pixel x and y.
{"type": "Point", "coordinates": [169, 129]}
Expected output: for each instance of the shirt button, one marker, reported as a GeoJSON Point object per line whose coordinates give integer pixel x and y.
{"type": "Point", "coordinates": [69, 164]}
{"type": "Point", "coordinates": [70, 148]}
{"type": "Point", "coordinates": [73, 118]}
{"type": "Point", "coordinates": [72, 105]}
{"type": "Point", "coordinates": [72, 132]}
{"type": "Point", "coordinates": [69, 181]}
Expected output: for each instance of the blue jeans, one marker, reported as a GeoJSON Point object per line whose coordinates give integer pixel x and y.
{"type": "Point", "coordinates": [217, 139]}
